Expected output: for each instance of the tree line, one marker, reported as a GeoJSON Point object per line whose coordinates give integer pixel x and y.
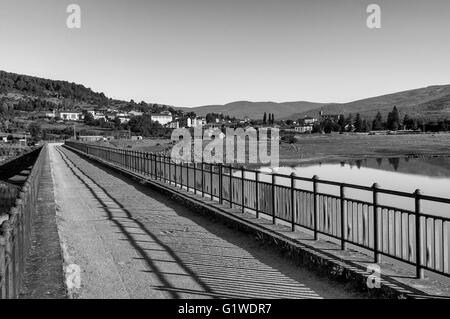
{"type": "Point", "coordinates": [393, 122]}
{"type": "Point", "coordinates": [11, 82]}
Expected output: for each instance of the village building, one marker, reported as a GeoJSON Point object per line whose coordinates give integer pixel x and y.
{"type": "Point", "coordinates": [304, 128]}
{"type": "Point", "coordinates": [162, 118]}
{"type": "Point", "coordinates": [71, 115]}
{"type": "Point", "coordinates": [135, 113]}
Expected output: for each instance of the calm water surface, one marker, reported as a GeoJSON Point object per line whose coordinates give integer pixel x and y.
{"type": "Point", "coordinates": [430, 175]}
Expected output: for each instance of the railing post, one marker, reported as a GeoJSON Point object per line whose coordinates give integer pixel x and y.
{"type": "Point", "coordinates": [293, 201]}
{"type": "Point", "coordinates": [162, 168]}
{"type": "Point", "coordinates": [136, 160]}
{"type": "Point", "coordinates": [211, 179]}
{"type": "Point", "coordinates": [273, 196]}
{"type": "Point", "coordinates": [231, 185]}
{"type": "Point", "coordinates": [220, 184]}
{"type": "Point", "coordinates": [170, 169]}
{"type": "Point", "coordinates": [375, 188]}
{"type": "Point", "coordinates": [316, 207]}
{"type": "Point", "coordinates": [343, 216]}
{"type": "Point", "coordinates": [187, 176]}
{"type": "Point", "coordinates": [181, 174]}
{"type": "Point", "coordinates": [203, 179]}
{"type": "Point", "coordinates": [175, 173]}
{"type": "Point", "coordinates": [257, 194]}
{"type": "Point", "coordinates": [243, 188]}
{"type": "Point", "coordinates": [195, 177]}
{"type": "Point", "coordinates": [155, 168]}
{"type": "Point", "coordinates": [418, 208]}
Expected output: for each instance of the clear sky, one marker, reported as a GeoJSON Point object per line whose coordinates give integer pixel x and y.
{"type": "Point", "coordinates": [197, 52]}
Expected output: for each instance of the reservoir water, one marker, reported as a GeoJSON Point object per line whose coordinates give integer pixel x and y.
{"type": "Point", "coordinates": [430, 175]}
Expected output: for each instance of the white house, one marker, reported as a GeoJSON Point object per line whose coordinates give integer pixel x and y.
{"type": "Point", "coordinates": [304, 128]}
{"type": "Point", "coordinates": [162, 118]}
{"type": "Point", "coordinates": [123, 119]}
{"type": "Point", "coordinates": [310, 120]}
{"type": "Point", "coordinates": [198, 121]}
{"type": "Point", "coordinates": [70, 115]}
{"type": "Point", "coordinates": [135, 113]}
{"type": "Point", "coordinates": [51, 114]}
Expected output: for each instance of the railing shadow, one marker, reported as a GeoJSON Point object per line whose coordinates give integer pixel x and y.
{"type": "Point", "coordinates": [123, 228]}
{"type": "Point", "coordinates": [219, 270]}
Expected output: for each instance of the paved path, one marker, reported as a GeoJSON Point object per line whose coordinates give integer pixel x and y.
{"type": "Point", "coordinates": [131, 242]}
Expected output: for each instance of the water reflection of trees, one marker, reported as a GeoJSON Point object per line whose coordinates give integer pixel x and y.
{"type": "Point", "coordinates": [379, 161]}
{"type": "Point", "coordinates": [395, 162]}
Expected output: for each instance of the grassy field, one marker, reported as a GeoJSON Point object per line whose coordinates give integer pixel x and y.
{"type": "Point", "coordinates": [147, 145]}
{"type": "Point", "coordinates": [333, 147]}
{"type": "Point", "coordinates": [338, 147]}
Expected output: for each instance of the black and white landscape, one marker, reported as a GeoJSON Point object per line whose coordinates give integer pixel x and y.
{"type": "Point", "coordinates": [314, 139]}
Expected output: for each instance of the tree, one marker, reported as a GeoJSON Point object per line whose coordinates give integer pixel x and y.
{"type": "Point", "coordinates": [35, 130]}
{"type": "Point", "coordinates": [341, 123]}
{"type": "Point", "coordinates": [265, 118]}
{"type": "Point", "coordinates": [358, 123]}
{"type": "Point", "coordinates": [4, 110]}
{"type": "Point", "coordinates": [117, 121]}
{"type": "Point", "coordinates": [143, 125]}
{"type": "Point", "coordinates": [377, 123]}
{"type": "Point", "coordinates": [442, 126]}
{"type": "Point", "coordinates": [211, 117]}
{"type": "Point", "coordinates": [329, 126]}
{"type": "Point", "coordinates": [89, 118]}
{"type": "Point", "coordinates": [393, 120]}
{"type": "Point", "coordinates": [407, 122]}
{"type": "Point", "coordinates": [365, 126]}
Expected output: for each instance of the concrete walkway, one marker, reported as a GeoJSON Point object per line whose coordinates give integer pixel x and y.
{"type": "Point", "coordinates": [131, 242]}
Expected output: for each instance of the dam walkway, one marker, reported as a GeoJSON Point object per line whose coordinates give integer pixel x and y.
{"type": "Point", "coordinates": [121, 239]}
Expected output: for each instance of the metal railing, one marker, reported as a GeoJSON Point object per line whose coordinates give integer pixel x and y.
{"type": "Point", "coordinates": [15, 230]}
{"type": "Point", "coordinates": [351, 214]}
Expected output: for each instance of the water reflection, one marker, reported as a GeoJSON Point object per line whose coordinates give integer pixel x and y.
{"type": "Point", "coordinates": [431, 175]}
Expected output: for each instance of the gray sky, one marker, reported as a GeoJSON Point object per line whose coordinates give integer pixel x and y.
{"type": "Point", "coordinates": [196, 52]}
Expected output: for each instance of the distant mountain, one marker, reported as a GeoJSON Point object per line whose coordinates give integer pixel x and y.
{"type": "Point", "coordinates": [255, 110]}
{"type": "Point", "coordinates": [430, 102]}
{"type": "Point", "coordinates": [30, 93]}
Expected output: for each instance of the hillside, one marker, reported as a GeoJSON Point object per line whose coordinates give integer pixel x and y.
{"type": "Point", "coordinates": [255, 110]}
{"type": "Point", "coordinates": [17, 86]}
{"type": "Point", "coordinates": [430, 102]}
{"type": "Point", "coordinates": [28, 93]}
